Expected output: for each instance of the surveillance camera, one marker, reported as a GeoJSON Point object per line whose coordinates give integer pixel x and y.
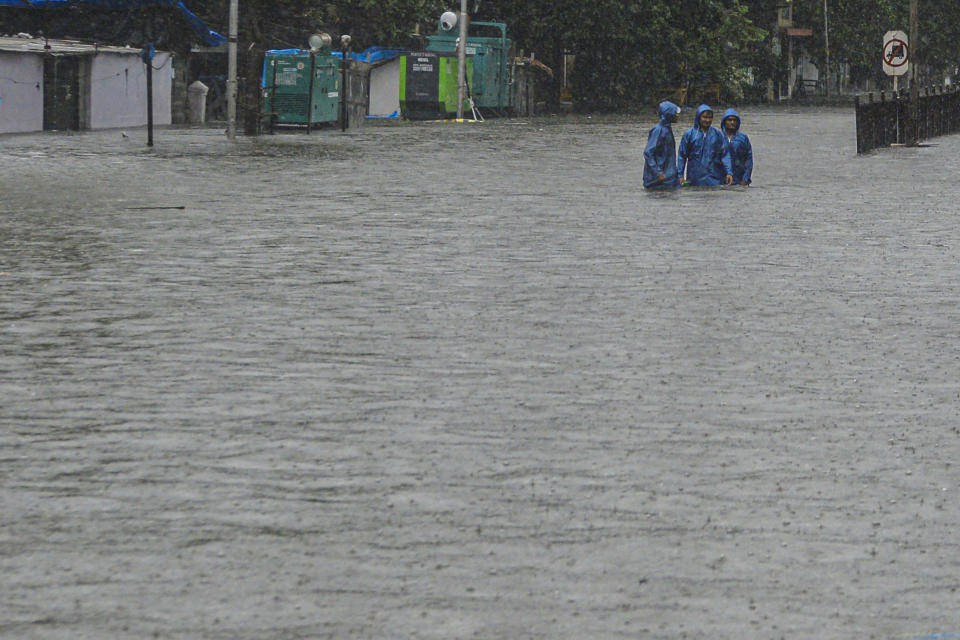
{"type": "Point", "coordinates": [448, 20]}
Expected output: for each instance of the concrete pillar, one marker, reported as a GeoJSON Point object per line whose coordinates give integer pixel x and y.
{"type": "Point", "coordinates": [178, 100]}
{"type": "Point", "coordinates": [197, 103]}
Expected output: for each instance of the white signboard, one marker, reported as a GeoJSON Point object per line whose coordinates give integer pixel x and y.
{"type": "Point", "coordinates": [896, 53]}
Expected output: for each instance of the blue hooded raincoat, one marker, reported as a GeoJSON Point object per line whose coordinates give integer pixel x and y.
{"type": "Point", "coordinates": [738, 150]}
{"type": "Point", "coordinates": [659, 155]}
{"type": "Point", "coordinates": [702, 154]}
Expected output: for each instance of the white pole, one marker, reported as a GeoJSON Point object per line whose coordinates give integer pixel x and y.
{"type": "Point", "coordinates": [462, 60]}
{"type": "Point", "coordinates": [232, 73]}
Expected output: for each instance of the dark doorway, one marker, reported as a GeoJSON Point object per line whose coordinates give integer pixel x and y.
{"type": "Point", "coordinates": [61, 93]}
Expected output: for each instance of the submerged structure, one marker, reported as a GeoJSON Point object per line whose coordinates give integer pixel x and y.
{"type": "Point", "coordinates": [423, 85]}
{"type": "Point", "coordinates": [428, 80]}
{"type": "Point", "coordinates": [80, 81]}
{"type": "Point", "coordinates": [489, 68]}
{"type": "Point", "coordinates": [428, 84]}
{"type": "Point", "coordinates": [306, 88]}
{"type": "Point", "coordinates": [65, 85]}
{"type": "Point", "coordinates": [301, 88]}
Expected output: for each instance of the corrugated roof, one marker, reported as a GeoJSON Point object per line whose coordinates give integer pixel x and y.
{"type": "Point", "coordinates": [61, 47]}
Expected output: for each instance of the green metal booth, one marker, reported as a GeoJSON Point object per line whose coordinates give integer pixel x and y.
{"type": "Point", "coordinates": [301, 87]}
{"type": "Point", "coordinates": [489, 82]}
{"type": "Point", "coordinates": [428, 84]}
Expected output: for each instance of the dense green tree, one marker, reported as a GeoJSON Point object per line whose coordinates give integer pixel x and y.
{"type": "Point", "coordinates": [939, 30]}
{"type": "Point", "coordinates": [132, 25]}
{"type": "Point", "coordinates": [628, 52]}
{"type": "Point", "coordinates": [855, 29]}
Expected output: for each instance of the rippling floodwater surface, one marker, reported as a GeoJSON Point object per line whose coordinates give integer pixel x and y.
{"type": "Point", "coordinates": [441, 381]}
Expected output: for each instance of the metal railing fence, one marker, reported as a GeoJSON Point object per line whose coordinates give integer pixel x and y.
{"type": "Point", "coordinates": [888, 121]}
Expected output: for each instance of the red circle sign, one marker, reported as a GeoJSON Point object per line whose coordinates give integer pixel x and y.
{"type": "Point", "coordinates": [893, 49]}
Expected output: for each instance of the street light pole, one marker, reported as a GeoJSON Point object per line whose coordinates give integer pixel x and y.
{"type": "Point", "coordinates": [232, 72]}
{"type": "Point", "coordinates": [462, 60]}
{"type": "Point", "coordinates": [345, 49]}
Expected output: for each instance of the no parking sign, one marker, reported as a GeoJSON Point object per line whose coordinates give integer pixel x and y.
{"type": "Point", "coordinates": [896, 53]}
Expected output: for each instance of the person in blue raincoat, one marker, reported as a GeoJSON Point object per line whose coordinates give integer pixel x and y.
{"type": "Point", "coordinates": [737, 148]}
{"type": "Point", "coordinates": [701, 153]}
{"type": "Point", "coordinates": [660, 156]}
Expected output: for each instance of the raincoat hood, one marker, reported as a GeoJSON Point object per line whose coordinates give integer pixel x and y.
{"type": "Point", "coordinates": [667, 110]}
{"type": "Point", "coordinates": [700, 110]}
{"type": "Point", "coordinates": [727, 114]}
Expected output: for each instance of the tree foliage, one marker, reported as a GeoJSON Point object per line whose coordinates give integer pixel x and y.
{"type": "Point", "coordinates": [117, 25]}
{"type": "Point", "coordinates": [628, 52]}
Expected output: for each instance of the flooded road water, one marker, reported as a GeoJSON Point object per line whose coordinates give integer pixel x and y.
{"type": "Point", "coordinates": [440, 381]}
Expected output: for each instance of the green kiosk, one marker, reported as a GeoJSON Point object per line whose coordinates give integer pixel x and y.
{"type": "Point", "coordinates": [301, 88]}
{"type": "Point", "coordinates": [489, 84]}
{"type": "Point", "coordinates": [428, 79]}
{"type": "Point", "coordinates": [428, 84]}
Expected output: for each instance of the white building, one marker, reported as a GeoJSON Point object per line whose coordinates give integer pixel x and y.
{"type": "Point", "coordinates": [70, 85]}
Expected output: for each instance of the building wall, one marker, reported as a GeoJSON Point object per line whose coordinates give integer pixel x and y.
{"type": "Point", "coordinates": [118, 90]}
{"type": "Point", "coordinates": [21, 93]}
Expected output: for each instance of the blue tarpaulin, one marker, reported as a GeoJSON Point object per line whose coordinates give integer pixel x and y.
{"type": "Point", "coordinates": [377, 54]}
{"type": "Point", "coordinates": [368, 55]}
{"type": "Point", "coordinates": [209, 37]}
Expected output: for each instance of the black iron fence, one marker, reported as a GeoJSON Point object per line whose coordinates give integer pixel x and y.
{"type": "Point", "coordinates": [890, 120]}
